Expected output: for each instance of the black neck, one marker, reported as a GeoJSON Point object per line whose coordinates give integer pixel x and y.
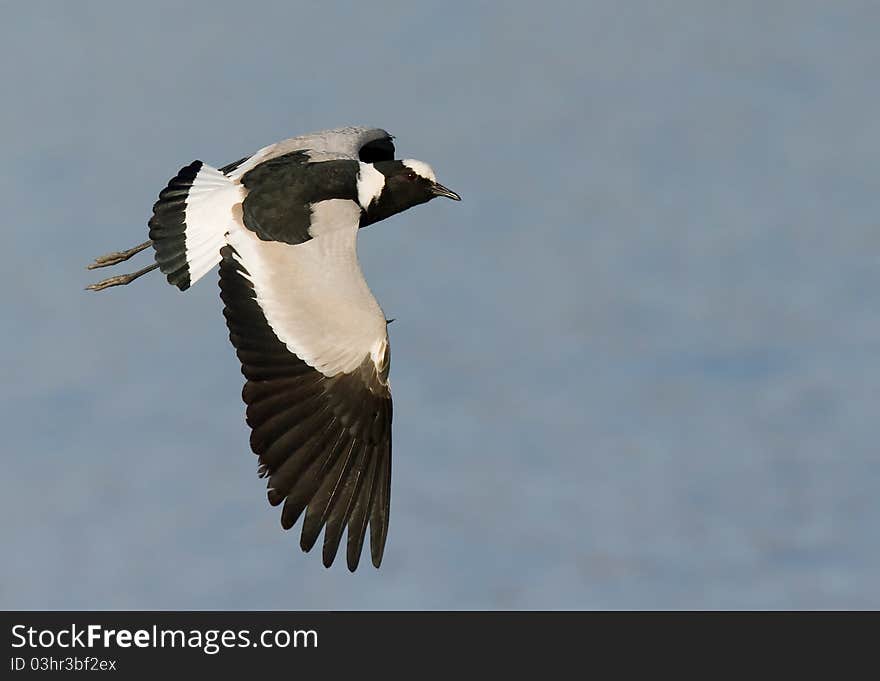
{"type": "Point", "coordinates": [401, 191]}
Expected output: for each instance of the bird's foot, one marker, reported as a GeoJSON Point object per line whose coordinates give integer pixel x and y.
{"type": "Point", "coordinates": [117, 257]}
{"type": "Point", "coordinates": [120, 279]}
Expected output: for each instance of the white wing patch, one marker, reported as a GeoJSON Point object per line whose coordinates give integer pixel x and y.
{"type": "Point", "coordinates": [313, 294]}
{"type": "Point", "coordinates": [209, 216]}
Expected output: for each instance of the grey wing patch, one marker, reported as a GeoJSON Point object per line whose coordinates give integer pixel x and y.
{"type": "Point", "coordinates": [352, 143]}
{"type": "Point", "coordinates": [339, 143]}
{"type": "Point", "coordinates": [282, 191]}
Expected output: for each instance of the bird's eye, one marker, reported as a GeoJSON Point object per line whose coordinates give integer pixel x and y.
{"type": "Point", "coordinates": [411, 175]}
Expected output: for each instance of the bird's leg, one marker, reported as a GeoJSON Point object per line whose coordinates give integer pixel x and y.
{"type": "Point", "coordinates": [118, 256]}
{"type": "Point", "coordinates": [114, 259]}
{"type": "Point", "coordinates": [120, 279]}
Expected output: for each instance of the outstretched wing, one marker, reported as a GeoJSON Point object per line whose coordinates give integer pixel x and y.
{"type": "Point", "coordinates": [313, 346]}
{"type": "Point", "coordinates": [354, 144]}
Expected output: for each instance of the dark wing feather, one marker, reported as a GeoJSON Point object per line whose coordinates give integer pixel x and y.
{"type": "Point", "coordinates": [281, 191]}
{"type": "Point", "coordinates": [324, 443]}
{"type": "Point", "coordinates": [168, 226]}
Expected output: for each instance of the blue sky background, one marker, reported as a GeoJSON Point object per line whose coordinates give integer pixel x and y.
{"type": "Point", "coordinates": [635, 368]}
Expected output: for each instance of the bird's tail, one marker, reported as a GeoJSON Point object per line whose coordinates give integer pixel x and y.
{"type": "Point", "coordinates": [190, 222]}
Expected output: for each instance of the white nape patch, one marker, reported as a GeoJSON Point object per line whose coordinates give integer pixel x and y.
{"type": "Point", "coordinates": [370, 183]}
{"type": "Point", "coordinates": [420, 168]}
{"type": "Point", "coordinates": [313, 294]}
{"type": "Point", "coordinates": [209, 216]}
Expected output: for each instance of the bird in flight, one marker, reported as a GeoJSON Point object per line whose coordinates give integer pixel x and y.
{"type": "Point", "coordinates": [311, 338]}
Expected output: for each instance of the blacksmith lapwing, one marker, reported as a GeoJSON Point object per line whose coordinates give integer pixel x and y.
{"type": "Point", "coordinates": [312, 340]}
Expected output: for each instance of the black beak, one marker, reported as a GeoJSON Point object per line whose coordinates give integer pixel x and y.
{"type": "Point", "coordinates": [439, 190]}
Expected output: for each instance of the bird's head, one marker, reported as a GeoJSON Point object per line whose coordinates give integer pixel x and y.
{"type": "Point", "coordinates": [401, 185]}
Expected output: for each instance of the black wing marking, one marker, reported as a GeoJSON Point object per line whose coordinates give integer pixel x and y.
{"type": "Point", "coordinates": [381, 149]}
{"type": "Point", "coordinates": [229, 167]}
{"type": "Point", "coordinates": [324, 443]}
{"type": "Point", "coordinates": [168, 226]}
{"type": "Point", "coordinates": [282, 190]}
